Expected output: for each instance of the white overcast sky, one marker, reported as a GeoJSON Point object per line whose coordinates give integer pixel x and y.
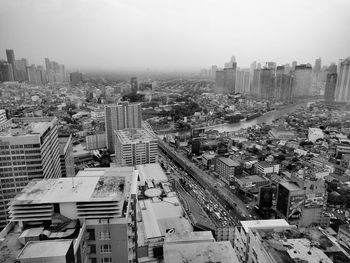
{"type": "Point", "coordinates": [174, 34]}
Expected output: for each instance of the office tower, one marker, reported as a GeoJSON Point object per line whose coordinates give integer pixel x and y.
{"type": "Point", "coordinates": [331, 83]}
{"type": "Point", "coordinates": [258, 66]}
{"type": "Point", "coordinates": [66, 156]}
{"type": "Point", "coordinates": [88, 218]}
{"type": "Point", "coordinates": [29, 149]}
{"type": "Point", "coordinates": [135, 146]}
{"type": "Point", "coordinates": [76, 77]}
{"type": "Point", "coordinates": [302, 200]}
{"type": "Point", "coordinates": [255, 87]}
{"type": "Point", "coordinates": [228, 170]}
{"type": "Point", "coordinates": [342, 90]}
{"type": "Point", "coordinates": [302, 80]}
{"type": "Point", "coordinates": [10, 54]}
{"type": "Point", "coordinates": [6, 71]}
{"type": "Point", "coordinates": [251, 74]}
{"type": "Point", "coordinates": [294, 64]}
{"type": "Point", "coordinates": [318, 65]}
{"type": "Point", "coordinates": [118, 117]}
{"type": "Point", "coordinates": [284, 85]}
{"type": "Point", "coordinates": [133, 82]}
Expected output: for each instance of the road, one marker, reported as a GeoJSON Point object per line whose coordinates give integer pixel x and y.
{"type": "Point", "coordinates": [228, 199]}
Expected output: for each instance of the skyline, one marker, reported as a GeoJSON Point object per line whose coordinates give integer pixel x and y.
{"type": "Point", "coordinates": [165, 35]}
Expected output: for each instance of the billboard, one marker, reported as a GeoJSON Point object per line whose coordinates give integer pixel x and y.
{"type": "Point", "coordinates": [314, 200]}
{"type": "Point", "coordinates": [265, 197]}
{"type": "Point", "coordinates": [295, 207]}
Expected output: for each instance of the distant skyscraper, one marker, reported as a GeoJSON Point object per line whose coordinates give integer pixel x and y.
{"type": "Point", "coordinates": [10, 54]}
{"type": "Point", "coordinates": [6, 71]}
{"type": "Point", "coordinates": [284, 85]}
{"type": "Point", "coordinates": [332, 68]}
{"type": "Point", "coordinates": [21, 69]}
{"type": "Point", "coordinates": [133, 82]}
{"type": "Point", "coordinates": [214, 68]}
{"type": "Point", "coordinates": [271, 65]}
{"type": "Point", "coordinates": [32, 151]}
{"type": "Point", "coordinates": [47, 64]}
{"type": "Point", "coordinates": [294, 64]}
{"type": "Point", "coordinates": [302, 80]}
{"type": "Point", "coordinates": [230, 79]}
{"type": "Point", "coordinates": [342, 90]}
{"type": "Point", "coordinates": [242, 81]}
{"type": "Point", "coordinates": [331, 83]}
{"type": "Point", "coordinates": [267, 87]}
{"type": "Point", "coordinates": [34, 75]}
{"type": "Point", "coordinates": [118, 117]}
{"type": "Point", "coordinates": [318, 65]}
{"type": "Point", "coordinates": [219, 81]}
{"type": "Point", "coordinates": [258, 66]}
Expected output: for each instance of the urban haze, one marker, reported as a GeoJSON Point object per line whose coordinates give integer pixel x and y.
{"type": "Point", "coordinates": [174, 131]}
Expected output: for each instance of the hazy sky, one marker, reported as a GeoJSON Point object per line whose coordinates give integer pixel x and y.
{"type": "Point", "coordinates": [174, 34]}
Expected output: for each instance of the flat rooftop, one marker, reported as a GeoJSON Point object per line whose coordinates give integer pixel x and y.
{"type": "Point", "coordinates": [290, 186]}
{"type": "Point", "coordinates": [229, 162]}
{"type": "Point", "coordinates": [151, 172]}
{"type": "Point", "coordinates": [269, 223]}
{"type": "Point", "coordinates": [45, 249]}
{"type": "Point", "coordinates": [128, 136]}
{"type": "Point", "coordinates": [24, 128]}
{"type": "Point", "coordinates": [190, 237]}
{"type": "Point", "coordinates": [158, 216]}
{"type": "Point", "coordinates": [200, 252]}
{"type": "Point", "coordinates": [110, 186]}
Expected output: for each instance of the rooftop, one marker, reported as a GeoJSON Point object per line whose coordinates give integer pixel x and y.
{"type": "Point", "coordinates": [151, 172]}
{"type": "Point", "coordinates": [229, 161]}
{"type": "Point", "coordinates": [24, 127]}
{"type": "Point", "coordinates": [103, 186]}
{"type": "Point", "coordinates": [39, 249]}
{"type": "Point", "coordinates": [263, 224]}
{"type": "Point", "coordinates": [128, 136]}
{"type": "Point", "coordinates": [190, 237]}
{"type": "Point", "coordinates": [200, 252]}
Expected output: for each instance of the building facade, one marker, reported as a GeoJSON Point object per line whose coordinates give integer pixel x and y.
{"type": "Point", "coordinates": [66, 156]}
{"type": "Point", "coordinates": [228, 169]}
{"type": "Point", "coordinates": [29, 149]}
{"type": "Point", "coordinates": [135, 146]}
{"type": "Point", "coordinates": [342, 90]}
{"type": "Point", "coordinates": [302, 81]}
{"type": "Point", "coordinates": [118, 117]}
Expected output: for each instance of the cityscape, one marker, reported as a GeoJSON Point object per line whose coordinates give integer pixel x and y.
{"type": "Point", "coordinates": [161, 160]}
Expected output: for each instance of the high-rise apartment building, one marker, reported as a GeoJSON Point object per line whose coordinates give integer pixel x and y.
{"type": "Point", "coordinates": [284, 85]}
{"type": "Point", "coordinates": [267, 84]}
{"type": "Point", "coordinates": [331, 82]}
{"type": "Point", "coordinates": [135, 146]}
{"type": "Point", "coordinates": [242, 81]}
{"type": "Point", "coordinates": [6, 71]}
{"type": "Point", "coordinates": [66, 156]}
{"type": "Point", "coordinates": [88, 218]}
{"type": "Point", "coordinates": [318, 65]}
{"type": "Point", "coordinates": [10, 54]}
{"type": "Point", "coordinates": [133, 82]}
{"type": "Point", "coordinates": [342, 90]}
{"type": "Point", "coordinates": [302, 80]}
{"type": "Point", "coordinates": [35, 76]}
{"type": "Point", "coordinates": [121, 116]}
{"type": "Point", "coordinates": [28, 149]}
{"type": "Point", "coordinates": [21, 69]}
{"type": "Point", "coordinates": [226, 80]}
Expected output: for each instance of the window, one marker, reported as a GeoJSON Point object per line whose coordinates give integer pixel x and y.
{"type": "Point", "coordinates": [92, 249]}
{"type": "Point", "coordinates": [105, 235]}
{"type": "Point", "coordinates": [106, 260]}
{"type": "Point", "coordinates": [91, 233]}
{"type": "Point", "coordinates": [106, 248]}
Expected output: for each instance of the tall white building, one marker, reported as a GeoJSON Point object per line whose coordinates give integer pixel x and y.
{"type": "Point", "coordinates": [342, 89]}
{"type": "Point", "coordinates": [121, 116]}
{"type": "Point", "coordinates": [135, 146]}
{"type": "Point", "coordinates": [29, 149]}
